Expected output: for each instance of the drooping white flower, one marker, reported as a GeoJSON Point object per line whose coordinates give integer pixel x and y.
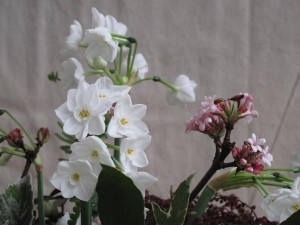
{"type": "Point", "coordinates": [281, 204]}
{"type": "Point", "coordinates": [109, 92]}
{"type": "Point", "coordinates": [108, 21]}
{"type": "Point", "coordinates": [94, 150]}
{"type": "Point", "coordinates": [72, 73]}
{"type": "Point", "coordinates": [75, 178]}
{"type": "Point", "coordinates": [140, 66]}
{"type": "Point", "coordinates": [142, 180]}
{"type": "Point", "coordinates": [100, 43]}
{"type": "Point", "coordinates": [256, 143]}
{"type": "Point", "coordinates": [134, 150]}
{"type": "Point", "coordinates": [74, 38]}
{"type": "Point", "coordinates": [127, 119]}
{"type": "Point", "coordinates": [83, 113]}
{"type": "Point", "coordinates": [185, 91]}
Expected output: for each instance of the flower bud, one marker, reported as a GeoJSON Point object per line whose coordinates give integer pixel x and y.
{"type": "Point", "coordinates": [15, 138]}
{"type": "Point", "coordinates": [43, 135]}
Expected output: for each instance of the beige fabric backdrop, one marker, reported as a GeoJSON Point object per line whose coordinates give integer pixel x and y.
{"type": "Point", "coordinates": [226, 46]}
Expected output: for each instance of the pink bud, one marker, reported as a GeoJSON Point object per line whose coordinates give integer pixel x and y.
{"type": "Point", "coordinates": [42, 135]}
{"type": "Point", "coordinates": [15, 138]}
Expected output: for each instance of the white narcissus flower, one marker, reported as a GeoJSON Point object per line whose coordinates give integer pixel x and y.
{"type": "Point", "coordinates": [256, 143]}
{"type": "Point", "coordinates": [108, 21]}
{"type": "Point", "coordinates": [281, 204]}
{"type": "Point", "coordinates": [107, 91]}
{"type": "Point", "coordinates": [83, 113]}
{"type": "Point", "coordinates": [75, 178]}
{"type": "Point", "coordinates": [127, 119]}
{"type": "Point", "coordinates": [142, 180]}
{"type": "Point", "coordinates": [94, 150]}
{"type": "Point", "coordinates": [185, 91]}
{"type": "Point", "coordinates": [140, 66]}
{"type": "Point", "coordinates": [74, 38]}
{"type": "Point", "coordinates": [72, 73]}
{"type": "Point", "coordinates": [134, 150]}
{"type": "Point", "coordinates": [100, 43]}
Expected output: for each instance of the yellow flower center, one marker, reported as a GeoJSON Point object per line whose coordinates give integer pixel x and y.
{"type": "Point", "coordinates": [94, 153]}
{"type": "Point", "coordinates": [124, 121]}
{"type": "Point", "coordinates": [76, 177]}
{"type": "Point", "coordinates": [84, 113]}
{"type": "Point", "coordinates": [295, 207]}
{"type": "Point", "coordinates": [102, 95]}
{"type": "Point", "coordinates": [130, 151]}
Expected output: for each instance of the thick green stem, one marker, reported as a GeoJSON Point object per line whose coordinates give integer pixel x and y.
{"type": "Point", "coordinates": [12, 151]}
{"type": "Point", "coordinates": [114, 147]}
{"type": "Point", "coordinates": [40, 197]}
{"type": "Point", "coordinates": [169, 85]}
{"type": "Point", "coordinates": [108, 73]}
{"type": "Point", "coordinates": [21, 126]}
{"type": "Point", "coordinates": [145, 79]}
{"type": "Point", "coordinates": [86, 212]}
{"type": "Point", "coordinates": [117, 152]}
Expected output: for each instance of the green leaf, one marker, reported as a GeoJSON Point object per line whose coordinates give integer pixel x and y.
{"type": "Point", "coordinates": [179, 205]}
{"type": "Point", "coordinates": [120, 202]}
{"type": "Point", "coordinates": [16, 204]}
{"type": "Point", "coordinates": [293, 219]}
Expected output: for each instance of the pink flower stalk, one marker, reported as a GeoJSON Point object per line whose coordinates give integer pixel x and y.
{"type": "Point", "coordinates": [252, 154]}
{"type": "Point", "coordinates": [204, 121]}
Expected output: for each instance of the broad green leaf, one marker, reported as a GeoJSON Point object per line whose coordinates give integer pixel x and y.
{"type": "Point", "coordinates": [178, 208]}
{"type": "Point", "coordinates": [119, 201]}
{"type": "Point", "coordinates": [16, 203]}
{"type": "Point", "coordinates": [293, 219]}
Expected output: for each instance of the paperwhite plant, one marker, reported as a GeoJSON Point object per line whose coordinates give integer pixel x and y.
{"type": "Point", "coordinates": [185, 91]}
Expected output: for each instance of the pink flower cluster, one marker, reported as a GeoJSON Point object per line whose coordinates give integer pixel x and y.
{"type": "Point", "coordinates": [252, 154]}
{"type": "Point", "coordinates": [205, 121]}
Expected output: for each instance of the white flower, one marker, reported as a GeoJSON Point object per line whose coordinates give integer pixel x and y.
{"type": "Point", "coordinates": [140, 66]}
{"type": "Point", "coordinates": [94, 150]}
{"type": "Point", "coordinates": [99, 20]}
{"type": "Point", "coordinates": [75, 178]}
{"type": "Point", "coordinates": [282, 203]}
{"type": "Point", "coordinates": [100, 43]}
{"type": "Point", "coordinates": [110, 92]}
{"type": "Point", "coordinates": [127, 119]}
{"type": "Point", "coordinates": [256, 143]}
{"type": "Point", "coordinates": [185, 91]}
{"type": "Point", "coordinates": [72, 73]}
{"type": "Point", "coordinates": [83, 113]}
{"type": "Point", "coordinates": [74, 38]}
{"type": "Point", "coordinates": [134, 150]}
{"type": "Point", "coordinates": [142, 180]}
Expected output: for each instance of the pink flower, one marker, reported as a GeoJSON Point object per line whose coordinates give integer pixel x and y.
{"type": "Point", "coordinates": [256, 144]}
{"type": "Point", "coordinates": [267, 158]}
{"type": "Point", "coordinates": [246, 108]}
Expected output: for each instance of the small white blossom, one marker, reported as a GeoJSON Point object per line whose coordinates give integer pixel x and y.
{"type": "Point", "coordinates": [134, 150]}
{"type": "Point", "coordinates": [74, 38]}
{"type": "Point", "coordinates": [72, 73]}
{"type": "Point", "coordinates": [75, 178]}
{"type": "Point", "coordinates": [108, 21]}
{"type": "Point", "coordinates": [94, 150]}
{"type": "Point", "coordinates": [185, 91]}
{"type": "Point", "coordinates": [107, 91]}
{"type": "Point", "coordinates": [83, 113]}
{"type": "Point", "coordinates": [127, 119]}
{"type": "Point", "coordinates": [100, 43]}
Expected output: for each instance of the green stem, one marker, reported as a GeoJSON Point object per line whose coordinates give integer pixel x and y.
{"type": "Point", "coordinates": [108, 73]}
{"type": "Point", "coordinates": [20, 125]}
{"type": "Point", "coordinates": [119, 36]}
{"type": "Point", "coordinates": [169, 85]}
{"type": "Point", "coordinates": [117, 152]}
{"type": "Point", "coordinates": [12, 151]}
{"type": "Point", "coordinates": [264, 189]}
{"type": "Point", "coordinates": [275, 184]}
{"type": "Point", "coordinates": [280, 169]}
{"type": "Point", "coordinates": [114, 147]}
{"type": "Point", "coordinates": [133, 57]}
{"type": "Point", "coordinates": [83, 44]}
{"type": "Point", "coordinates": [145, 79]}
{"type": "Point", "coordinates": [3, 132]}
{"type": "Point", "coordinates": [86, 212]}
{"type": "Point", "coordinates": [120, 60]}
{"type": "Point", "coordinates": [41, 198]}
{"type": "Point", "coordinates": [95, 72]}
{"type": "Point", "coordinates": [128, 71]}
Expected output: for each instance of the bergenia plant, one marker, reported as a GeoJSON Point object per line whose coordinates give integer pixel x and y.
{"type": "Point", "coordinates": [105, 139]}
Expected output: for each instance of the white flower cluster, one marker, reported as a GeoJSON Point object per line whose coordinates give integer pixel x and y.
{"type": "Point", "coordinates": [95, 111]}
{"type": "Point", "coordinates": [281, 204]}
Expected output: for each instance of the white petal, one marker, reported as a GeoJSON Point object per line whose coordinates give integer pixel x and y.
{"type": "Point", "coordinates": [72, 126]}
{"type": "Point", "coordinates": [63, 113]}
{"type": "Point", "coordinates": [97, 125]}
